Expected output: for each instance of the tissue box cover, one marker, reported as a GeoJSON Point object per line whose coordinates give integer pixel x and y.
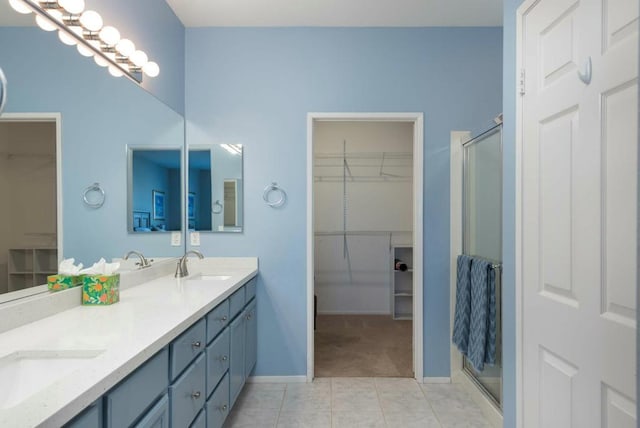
{"type": "Point", "coordinates": [101, 289]}
{"type": "Point", "coordinates": [63, 282]}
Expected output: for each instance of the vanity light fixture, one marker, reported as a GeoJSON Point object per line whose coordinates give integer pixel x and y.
{"type": "Point", "coordinates": [234, 149]}
{"type": "Point", "coordinates": [85, 30]}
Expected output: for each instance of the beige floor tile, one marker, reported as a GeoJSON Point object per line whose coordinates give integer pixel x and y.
{"type": "Point", "coordinates": [411, 420]}
{"type": "Point", "coordinates": [371, 418]}
{"type": "Point", "coordinates": [251, 418]}
{"type": "Point", "coordinates": [305, 418]}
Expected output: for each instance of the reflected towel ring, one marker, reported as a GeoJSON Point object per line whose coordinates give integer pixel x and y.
{"type": "Point", "coordinates": [273, 187]}
{"type": "Point", "coordinates": [3, 91]}
{"type": "Point", "coordinates": [216, 208]}
{"type": "Point", "coordinates": [95, 187]}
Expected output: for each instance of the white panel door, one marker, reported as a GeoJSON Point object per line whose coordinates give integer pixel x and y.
{"type": "Point", "coordinates": [579, 210]}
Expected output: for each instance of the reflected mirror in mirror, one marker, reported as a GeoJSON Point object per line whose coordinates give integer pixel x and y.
{"type": "Point", "coordinates": [155, 177]}
{"type": "Point", "coordinates": [215, 199]}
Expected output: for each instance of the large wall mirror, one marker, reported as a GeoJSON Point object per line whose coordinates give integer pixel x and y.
{"type": "Point", "coordinates": [154, 189]}
{"type": "Point", "coordinates": [215, 198]}
{"type": "Point", "coordinates": [85, 119]}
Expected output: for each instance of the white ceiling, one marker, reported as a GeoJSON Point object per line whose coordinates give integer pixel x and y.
{"type": "Point", "coordinates": [338, 13]}
{"type": "Point", "coordinates": [319, 13]}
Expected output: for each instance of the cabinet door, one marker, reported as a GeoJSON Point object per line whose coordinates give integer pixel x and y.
{"type": "Point", "coordinates": [237, 361]}
{"type": "Point", "coordinates": [90, 418]}
{"type": "Point", "coordinates": [218, 404]}
{"type": "Point", "coordinates": [158, 416]}
{"type": "Point", "coordinates": [251, 323]}
{"type": "Point", "coordinates": [187, 394]}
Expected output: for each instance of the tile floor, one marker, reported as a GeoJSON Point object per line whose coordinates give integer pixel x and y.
{"type": "Point", "coordinates": [356, 402]}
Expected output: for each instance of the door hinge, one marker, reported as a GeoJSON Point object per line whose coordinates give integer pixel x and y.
{"type": "Point", "coordinates": [521, 84]}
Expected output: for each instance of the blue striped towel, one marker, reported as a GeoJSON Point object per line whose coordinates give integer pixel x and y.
{"type": "Point", "coordinates": [482, 328]}
{"type": "Point", "coordinates": [461, 321]}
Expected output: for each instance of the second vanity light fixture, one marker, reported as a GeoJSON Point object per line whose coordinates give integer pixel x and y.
{"type": "Point", "coordinates": [84, 29]}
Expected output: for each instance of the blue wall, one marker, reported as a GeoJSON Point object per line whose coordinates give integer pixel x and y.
{"type": "Point", "coordinates": [509, 215]}
{"type": "Point", "coordinates": [155, 29]}
{"type": "Point", "coordinates": [255, 86]}
{"type": "Point", "coordinates": [101, 115]}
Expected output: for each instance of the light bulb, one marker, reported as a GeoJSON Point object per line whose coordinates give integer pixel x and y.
{"type": "Point", "coordinates": [86, 51]}
{"type": "Point", "coordinates": [20, 7]}
{"type": "Point", "coordinates": [109, 35]}
{"type": "Point", "coordinates": [47, 25]}
{"type": "Point", "coordinates": [100, 61]}
{"type": "Point", "coordinates": [91, 20]}
{"type": "Point", "coordinates": [68, 39]}
{"type": "Point", "coordinates": [125, 47]}
{"type": "Point", "coordinates": [139, 58]}
{"type": "Point", "coordinates": [115, 71]}
{"type": "Point", "coordinates": [74, 7]}
{"type": "Point", "coordinates": [151, 69]}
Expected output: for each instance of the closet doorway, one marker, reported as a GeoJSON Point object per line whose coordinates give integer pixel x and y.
{"type": "Point", "coordinates": [364, 212]}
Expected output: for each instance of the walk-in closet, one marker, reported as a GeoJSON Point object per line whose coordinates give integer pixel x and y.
{"type": "Point", "coordinates": [363, 248]}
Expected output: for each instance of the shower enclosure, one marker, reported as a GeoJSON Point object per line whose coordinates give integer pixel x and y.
{"type": "Point", "coordinates": [482, 233]}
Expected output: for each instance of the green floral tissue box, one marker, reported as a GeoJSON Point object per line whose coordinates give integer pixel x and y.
{"type": "Point", "coordinates": [101, 289]}
{"type": "Point", "coordinates": [63, 282]}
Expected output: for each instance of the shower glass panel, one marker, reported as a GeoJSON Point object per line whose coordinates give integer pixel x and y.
{"type": "Point", "coordinates": [482, 232]}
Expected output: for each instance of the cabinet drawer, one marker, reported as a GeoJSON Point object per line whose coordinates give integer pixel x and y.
{"type": "Point", "coordinates": [236, 303]}
{"type": "Point", "coordinates": [188, 394]}
{"type": "Point", "coordinates": [218, 405]}
{"type": "Point", "coordinates": [201, 420]}
{"type": "Point", "coordinates": [126, 402]}
{"type": "Point", "coordinates": [186, 347]}
{"type": "Point", "coordinates": [217, 319]}
{"type": "Point", "coordinates": [90, 418]}
{"type": "Point", "coordinates": [250, 290]}
{"type": "Point", "coordinates": [217, 360]}
{"type": "Point", "coordinates": [158, 416]}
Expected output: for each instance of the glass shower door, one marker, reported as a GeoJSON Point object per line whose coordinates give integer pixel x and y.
{"type": "Point", "coordinates": [482, 232]}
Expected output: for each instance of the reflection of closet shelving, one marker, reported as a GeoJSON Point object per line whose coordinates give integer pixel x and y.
{"type": "Point", "coordinates": [363, 166]}
{"type": "Point", "coordinates": [402, 284]}
{"type": "Point", "coordinates": [29, 267]}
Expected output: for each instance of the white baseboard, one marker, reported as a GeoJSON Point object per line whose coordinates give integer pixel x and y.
{"type": "Point", "coordinates": [353, 313]}
{"type": "Point", "coordinates": [436, 380]}
{"type": "Point", "coordinates": [276, 379]}
{"type": "Point", "coordinates": [489, 409]}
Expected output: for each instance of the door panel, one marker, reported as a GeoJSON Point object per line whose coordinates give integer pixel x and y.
{"type": "Point", "coordinates": [579, 213]}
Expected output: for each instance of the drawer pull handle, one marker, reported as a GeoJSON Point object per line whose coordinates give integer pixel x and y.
{"type": "Point", "coordinates": [195, 395]}
{"type": "Point", "coordinates": [196, 345]}
{"type": "Point", "coordinates": [224, 358]}
{"type": "Point", "coordinates": [223, 319]}
{"type": "Point", "coordinates": [223, 408]}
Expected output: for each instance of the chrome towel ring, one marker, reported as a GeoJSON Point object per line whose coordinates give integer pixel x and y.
{"type": "Point", "coordinates": [281, 195]}
{"type": "Point", "coordinates": [3, 90]}
{"type": "Point", "coordinates": [95, 202]}
{"type": "Point", "coordinates": [216, 208]}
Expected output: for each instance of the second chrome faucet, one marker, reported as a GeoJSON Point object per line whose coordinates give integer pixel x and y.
{"type": "Point", "coordinates": [181, 269]}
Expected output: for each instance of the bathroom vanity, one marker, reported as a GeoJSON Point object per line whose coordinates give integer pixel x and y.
{"type": "Point", "coordinates": [173, 352]}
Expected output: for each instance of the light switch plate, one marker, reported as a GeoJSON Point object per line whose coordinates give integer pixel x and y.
{"type": "Point", "coordinates": [176, 239]}
{"type": "Point", "coordinates": [195, 239]}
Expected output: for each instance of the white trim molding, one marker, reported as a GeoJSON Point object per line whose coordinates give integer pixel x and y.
{"type": "Point", "coordinates": [418, 191]}
{"type": "Point", "coordinates": [276, 379]}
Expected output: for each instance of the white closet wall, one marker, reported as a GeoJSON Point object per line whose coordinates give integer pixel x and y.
{"type": "Point", "coordinates": [379, 198]}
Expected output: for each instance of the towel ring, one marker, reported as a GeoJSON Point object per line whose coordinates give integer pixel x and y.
{"type": "Point", "coordinates": [3, 91]}
{"type": "Point", "coordinates": [216, 208]}
{"type": "Point", "coordinates": [95, 187]}
{"type": "Point", "coordinates": [282, 195]}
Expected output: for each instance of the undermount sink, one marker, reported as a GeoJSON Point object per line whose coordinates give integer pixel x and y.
{"type": "Point", "coordinates": [201, 277]}
{"type": "Point", "coordinates": [24, 373]}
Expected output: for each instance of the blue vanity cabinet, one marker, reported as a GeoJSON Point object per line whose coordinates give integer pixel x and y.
{"type": "Point", "coordinates": [251, 339]}
{"type": "Point", "coordinates": [201, 420]}
{"type": "Point", "coordinates": [91, 417]}
{"type": "Point", "coordinates": [158, 416]}
{"type": "Point", "coordinates": [187, 347]}
{"type": "Point", "coordinates": [218, 404]}
{"type": "Point", "coordinates": [217, 320]}
{"type": "Point", "coordinates": [128, 400]}
{"type": "Point", "coordinates": [217, 360]}
{"type": "Point", "coordinates": [187, 394]}
{"type": "Point", "coordinates": [236, 362]}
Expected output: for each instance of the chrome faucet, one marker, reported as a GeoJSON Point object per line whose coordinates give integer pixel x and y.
{"type": "Point", "coordinates": [181, 269]}
{"type": "Point", "coordinates": [143, 263]}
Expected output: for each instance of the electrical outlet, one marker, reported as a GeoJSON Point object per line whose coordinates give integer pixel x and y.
{"type": "Point", "coordinates": [176, 239]}
{"type": "Point", "coordinates": [195, 239]}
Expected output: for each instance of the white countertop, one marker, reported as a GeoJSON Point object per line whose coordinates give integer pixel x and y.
{"type": "Point", "coordinates": [146, 319]}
